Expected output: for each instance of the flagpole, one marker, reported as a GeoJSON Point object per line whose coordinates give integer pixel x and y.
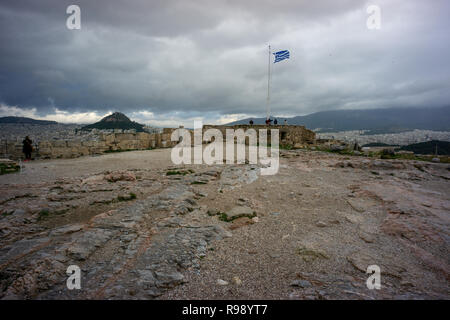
{"type": "Point", "coordinates": [268, 86]}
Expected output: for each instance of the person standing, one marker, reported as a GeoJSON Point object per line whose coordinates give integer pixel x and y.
{"type": "Point", "coordinates": [27, 148]}
{"type": "Point", "coordinates": [275, 122]}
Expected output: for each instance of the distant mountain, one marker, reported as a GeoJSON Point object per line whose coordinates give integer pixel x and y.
{"type": "Point", "coordinates": [429, 147]}
{"type": "Point", "coordinates": [23, 120]}
{"type": "Point", "coordinates": [116, 120]}
{"type": "Point", "coordinates": [389, 120]}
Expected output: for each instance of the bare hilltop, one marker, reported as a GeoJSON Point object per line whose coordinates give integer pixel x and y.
{"type": "Point", "coordinates": [141, 228]}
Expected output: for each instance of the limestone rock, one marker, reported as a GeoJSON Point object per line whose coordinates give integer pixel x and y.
{"type": "Point", "coordinates": [321, 224]}
{"type": "Point", "coordinates": [221, 282]}
{"type": "Point", "coordinates": [120, 176]}
{"type": "Point", "coordinates": [240, 211]}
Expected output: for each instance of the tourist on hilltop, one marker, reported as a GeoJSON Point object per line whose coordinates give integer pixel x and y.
{"type": "Point", "coordinates": [251, 122]}
{"type": "Point", "coordinates": [285, 121]}
{"type": "Point", "coordinates": [275, 122]}
{"type": "Point", "coordinates": [27, 148]}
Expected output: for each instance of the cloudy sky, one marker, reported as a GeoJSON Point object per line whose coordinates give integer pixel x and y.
{"type": "Point", "coordinates": [166, 62]}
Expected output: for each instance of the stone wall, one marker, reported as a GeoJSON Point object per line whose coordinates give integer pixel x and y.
{"type": "Point", "coordinates": [100, 144]}
{"type": "Point", "coordinates": [294, 136]}
{"type": "Point", "coordinates": [290, 135]}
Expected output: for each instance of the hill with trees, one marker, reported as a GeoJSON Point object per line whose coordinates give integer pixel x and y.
{"type": "Point", "coordinates": [117, 120]}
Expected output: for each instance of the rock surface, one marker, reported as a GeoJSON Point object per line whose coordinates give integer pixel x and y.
{"type": "Point", "coordinates": [320, 222]}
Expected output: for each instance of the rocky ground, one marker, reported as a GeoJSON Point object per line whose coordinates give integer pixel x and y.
{"type": "Point", "coordinates": [140, 228]}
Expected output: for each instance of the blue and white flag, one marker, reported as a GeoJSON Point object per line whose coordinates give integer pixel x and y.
{"type": "Point", "coordinates": [281, 55]}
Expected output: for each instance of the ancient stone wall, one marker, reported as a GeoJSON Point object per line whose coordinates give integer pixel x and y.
{"type": "Point", "coordinates": [103, 143]}
{"type": "Point", "coordinates": [294, 136]}
{"type": "Point", "coordinates": [289, 135]}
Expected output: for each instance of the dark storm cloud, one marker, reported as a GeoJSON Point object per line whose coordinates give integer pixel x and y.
{"type": "Point", "coordinates": [208, 58]}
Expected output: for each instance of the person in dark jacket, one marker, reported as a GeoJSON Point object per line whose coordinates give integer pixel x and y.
{"type": "Point", "coordinates": [27, 148]}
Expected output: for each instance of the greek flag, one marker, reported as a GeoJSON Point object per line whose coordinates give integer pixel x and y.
{"type": "Point", "coordinates": [281, 55]}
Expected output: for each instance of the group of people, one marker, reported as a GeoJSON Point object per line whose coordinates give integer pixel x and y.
{"type": "Point", "coordinates": [269, 122]}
